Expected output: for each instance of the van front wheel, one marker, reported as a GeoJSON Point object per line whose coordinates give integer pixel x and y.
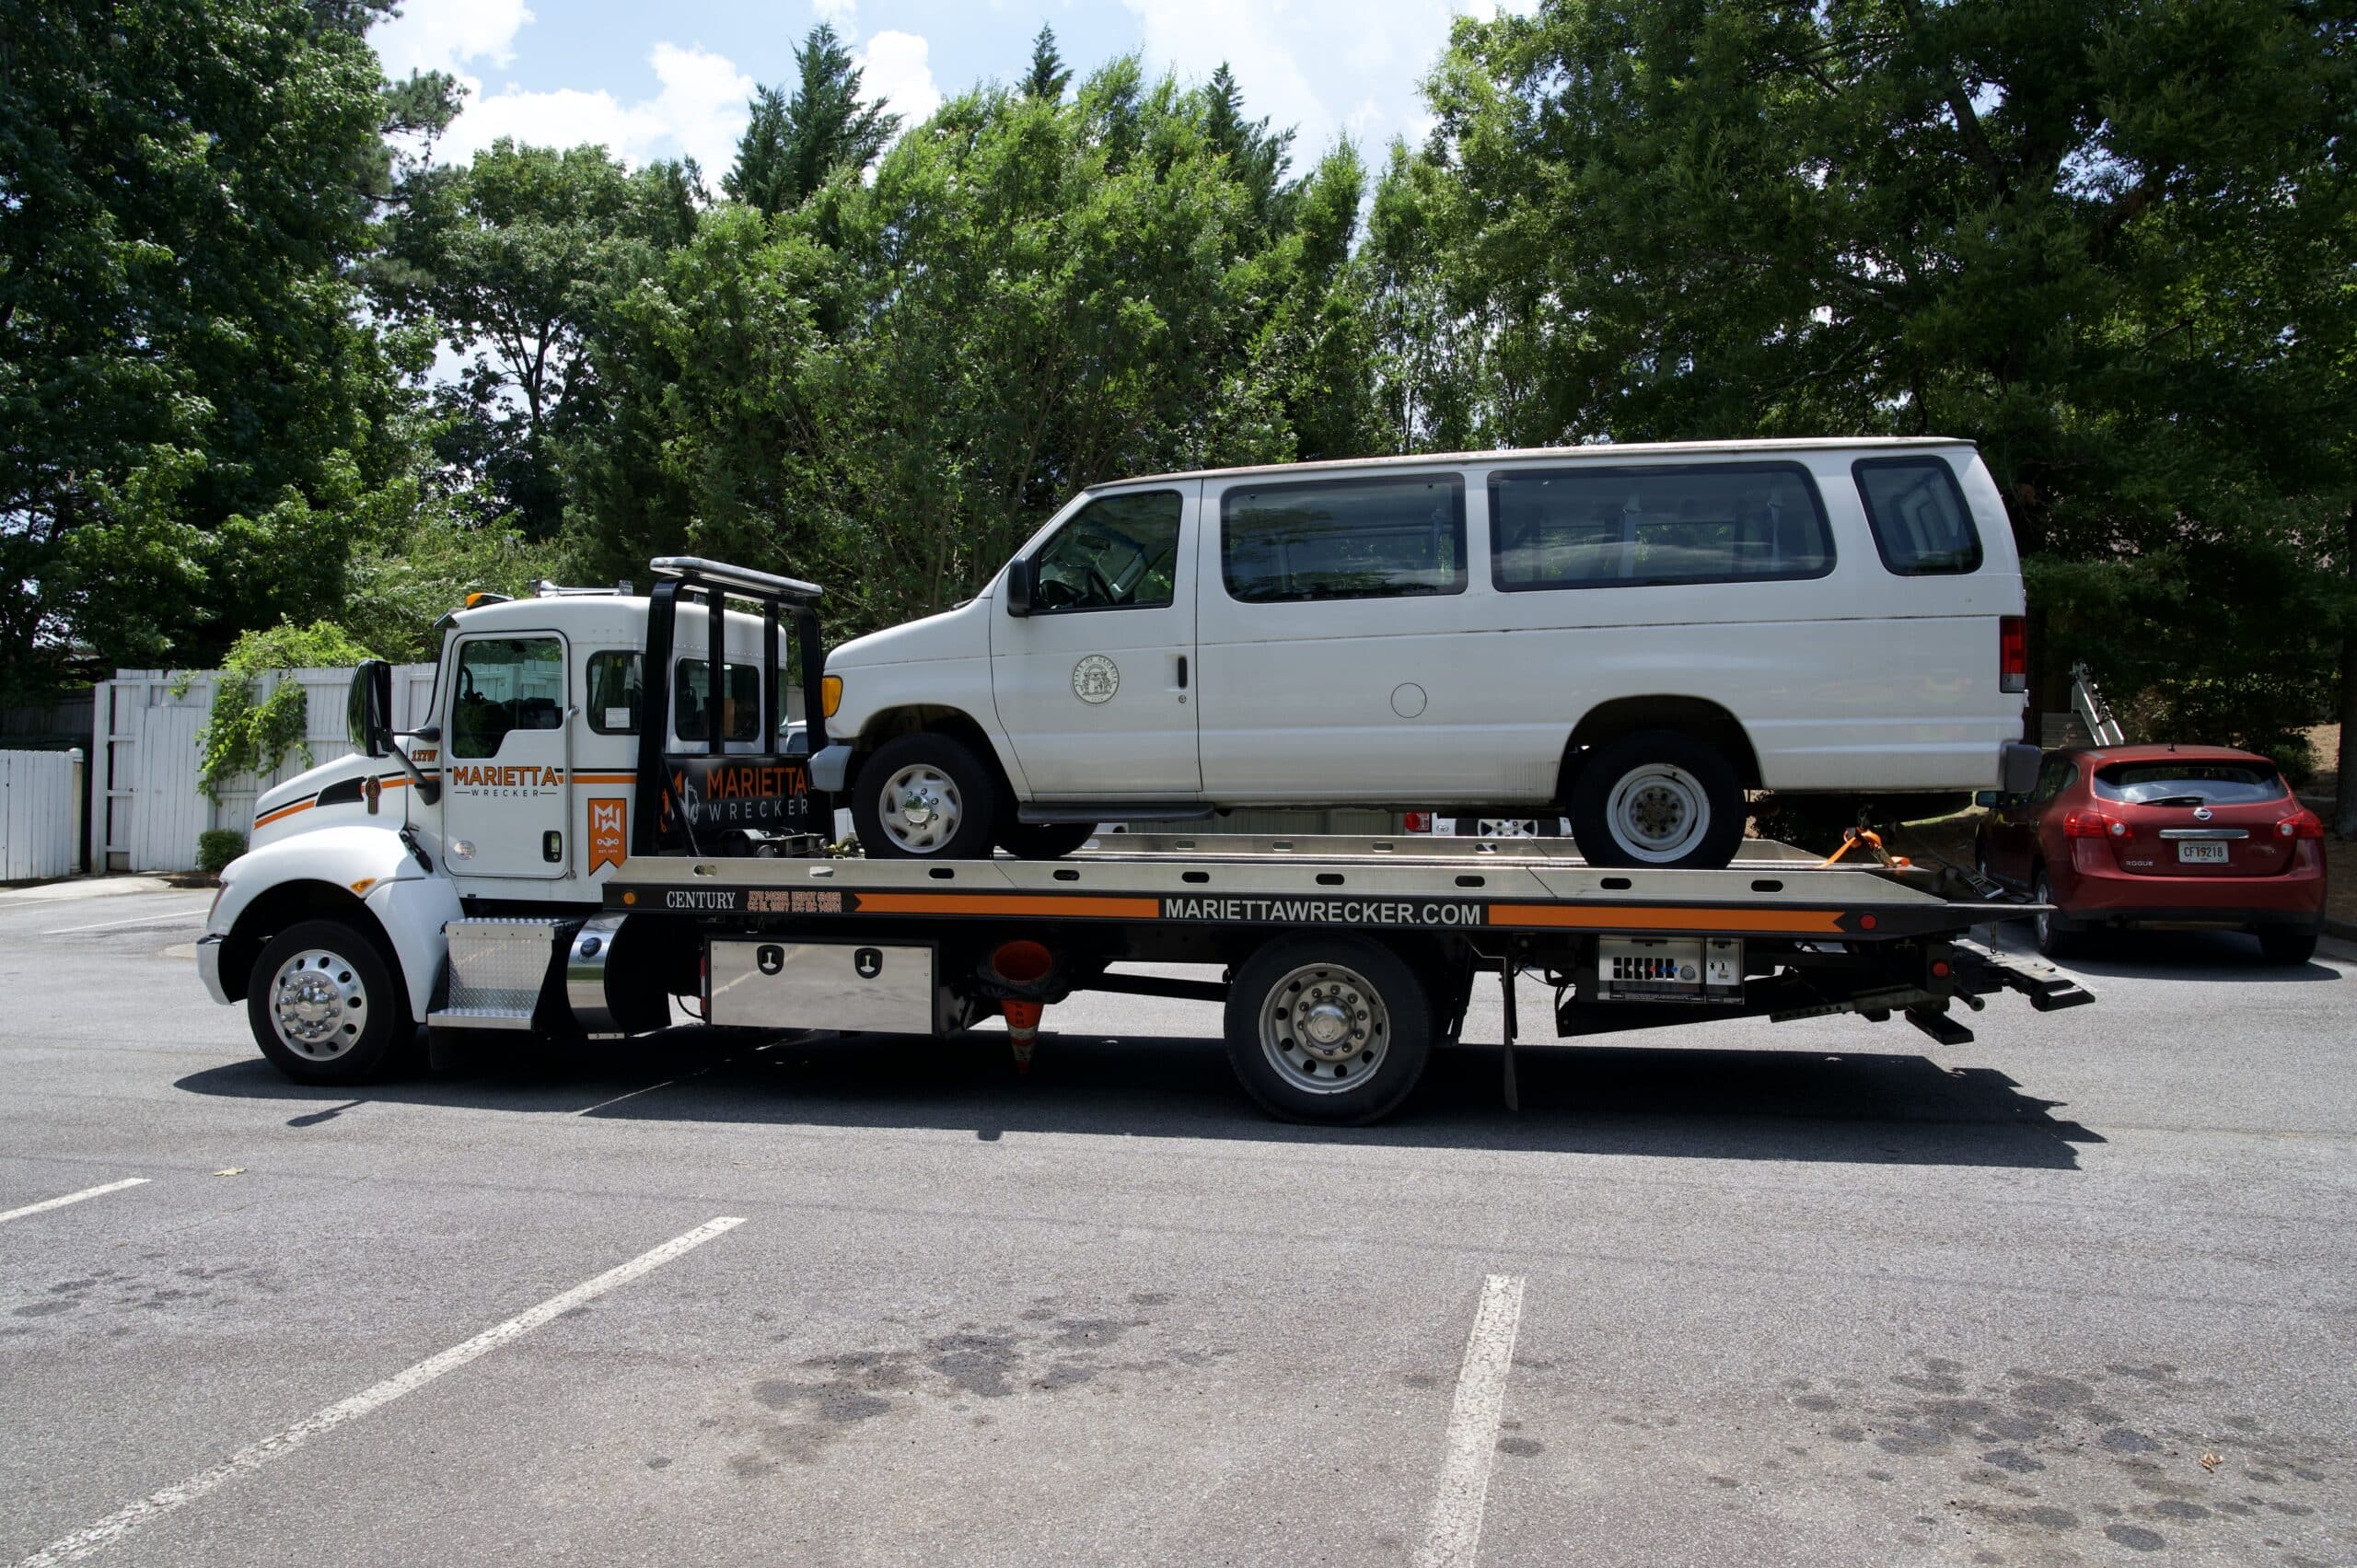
{"type": "Point", "coordinates": [925, 797]}
{"type": "Point", "coordinates": [1659, 799]}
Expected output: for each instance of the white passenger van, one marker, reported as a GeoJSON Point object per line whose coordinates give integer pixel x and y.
{"type": "Point", "coordinates": [1631, 635]}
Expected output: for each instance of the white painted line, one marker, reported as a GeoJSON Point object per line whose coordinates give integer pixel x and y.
{"type": "Point", "coordinates": [1472, 1439]}
{"type": "Point", "coordinates": [181, 917]}
{"type": "Point", "coordinates": [124, 1520]}
{"type": "Point", "coordinates": [48, 1204]}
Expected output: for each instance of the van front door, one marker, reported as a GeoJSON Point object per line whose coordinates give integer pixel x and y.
{"type": "Point", "coordinates": [506, 758]}
{"type": "Point", "coordinates": [1094, 688]}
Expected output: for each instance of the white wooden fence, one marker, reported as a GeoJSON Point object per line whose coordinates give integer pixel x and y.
{"type": "Point", "coordinates": [38, 823]}
{"type": "Point", "coordinates": [146, 807]}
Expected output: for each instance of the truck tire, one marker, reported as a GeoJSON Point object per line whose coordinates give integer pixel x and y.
{"type": "Point", "coordinates": [1328, 1028]}
{"type": "Point", "coordinates": [925, 797]}
{"type": "Point", "coordinates": [1045, 841]}
{"type": "Point", "coordinates": [326, 1006]}
{"type": "Point", "coordinates": [1658, 799]}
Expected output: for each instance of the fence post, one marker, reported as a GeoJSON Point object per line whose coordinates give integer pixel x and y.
{"type": "Point", "coordinates": [74, 859]}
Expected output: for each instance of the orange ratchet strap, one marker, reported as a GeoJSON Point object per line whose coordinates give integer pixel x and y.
{"type": "Point", "coordinates": [1853, 837]}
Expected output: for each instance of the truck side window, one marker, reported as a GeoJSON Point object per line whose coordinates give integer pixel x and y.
{"type": "Point", "coordinates": [1922, 525]}
{"type": "Point", "coordinates": [505, 683]}
{"type": "Point", "coordinates": [1120, 552]}
{"type": "Point", "coordinates": [613, 693]}
{"type": "Point", "coordinates": [1343, 539]}
{"type": "Point", "coordinates": [740, 699]}
{"type": "Point", "coordinates": [1625, 528]}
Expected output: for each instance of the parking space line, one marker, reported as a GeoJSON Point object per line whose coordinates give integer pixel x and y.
{"type": "Point", "coordinates": [1472, 1438]}
{"type": "Point", "coordinates": [179, 917]}
{"type": "Point", "coordinates": [47, 1203]}
{"type": "Point", "coordinates": [121, 1522]}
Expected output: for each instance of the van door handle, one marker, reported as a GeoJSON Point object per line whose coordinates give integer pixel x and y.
{"type": "Point", "coordinates": [1182, 672]}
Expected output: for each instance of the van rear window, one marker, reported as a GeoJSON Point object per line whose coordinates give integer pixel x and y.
{"type": "Point", "coordinates": [1343, 539]}
{"type": "Point", "coordinates": [1598, 527]}
{"type": "Point", "coordinates": [2217, 784]}
{"type": "Point", "coordinates": [1922, 524]}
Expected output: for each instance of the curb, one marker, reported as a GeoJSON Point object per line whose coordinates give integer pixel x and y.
{"type": "Point", "coordinates": [2341, 930]}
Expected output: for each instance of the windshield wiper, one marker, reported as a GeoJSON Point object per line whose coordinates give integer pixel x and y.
{"type": "Point", "coordinates": [2180, 800]}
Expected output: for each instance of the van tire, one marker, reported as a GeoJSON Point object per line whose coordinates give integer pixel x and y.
{"type": "Point", "coordinates": [1680, 785]}
{"type": "Point", "coordinates": [960, 792]}
{"type": "Point", "coordinates": [1293, 1076]}
{"type": "Point", "coordinates": [1044, 841]}
{"type": "Point", "coordinates": [328, 963]}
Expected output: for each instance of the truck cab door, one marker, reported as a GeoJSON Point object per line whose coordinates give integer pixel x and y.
{"type": "Point", "coordinates": [507, 793]}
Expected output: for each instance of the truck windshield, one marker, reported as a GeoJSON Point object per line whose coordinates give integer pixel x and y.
{"type": "Point", "coordinates": [2225, 782]}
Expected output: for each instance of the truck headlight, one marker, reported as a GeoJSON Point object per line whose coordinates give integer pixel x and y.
{"type": "Point", "coordinates": [831, 693]}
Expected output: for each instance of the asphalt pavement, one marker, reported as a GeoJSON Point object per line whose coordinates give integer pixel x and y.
{"type": "Point", "coordinates": [2078, 1291]}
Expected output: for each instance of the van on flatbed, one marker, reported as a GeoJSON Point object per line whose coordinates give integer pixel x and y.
{"type": "Point", "coordinates": [604, 812]}
{"type": "Point", "coordinates": [1629, 635]}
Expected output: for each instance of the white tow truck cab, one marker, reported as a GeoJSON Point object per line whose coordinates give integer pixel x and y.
{"type": "Point", "coordinates": [611, 807]}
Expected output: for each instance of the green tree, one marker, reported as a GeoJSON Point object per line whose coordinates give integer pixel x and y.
{"type": "Point", "coordinates": [188, 391]}
{"type": "Point", "coordinates": [2106, 241]}
{"type": "Point", "coordinates": [793, 146]}
{"type": "Point", "coordinates": [1048, 76]}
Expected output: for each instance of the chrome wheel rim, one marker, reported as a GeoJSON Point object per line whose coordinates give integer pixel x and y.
{"type": "Point", "coordinates": [1658, 813]}
{"type": "Point", "coordinates": [1325, 1028]}
{"type": "Point", "coordinates": [922, 808]}
{"type": "Point", "coordinates": [317, 1006]}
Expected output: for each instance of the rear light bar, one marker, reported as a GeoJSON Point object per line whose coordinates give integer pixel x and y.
{"type": "Point", "coordinates": [1415, 821]}
{"type": "Point", "coordinates": [2301, 824]}
{"type": "Point", "coordinates": [2095, 825]}
{"type": "Point", "coordinates": [2013, 654]}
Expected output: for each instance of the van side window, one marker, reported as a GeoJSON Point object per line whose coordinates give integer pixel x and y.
{"type": "Point", "coordinates": [740, 699]}
{"type": "Point", "coordinates": [1922, 524]}
{"type": "Point", "coordinates": [1120, 552]}
{"type": "Point", "coordinates": [1343, 539]}
{"type": "Point", "coordinates": [505, 683]}
{"type": "Point", "coordinates": [613, 693]}
{"type": "Point", "coordinates": [1599, 527]}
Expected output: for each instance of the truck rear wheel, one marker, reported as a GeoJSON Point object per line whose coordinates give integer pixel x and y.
{"type": "Point", "coordinates": [1660, 799]}
{"type": "Point", "coordinates": [925, 797]}
{"type": "Point", "coordinates": [325, 1006]}
{"type": "Point", "coordinates": [1328, 1028]}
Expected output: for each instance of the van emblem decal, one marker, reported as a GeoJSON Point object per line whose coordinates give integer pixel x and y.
{"type": "Point", "coordinates": [1095, 678]}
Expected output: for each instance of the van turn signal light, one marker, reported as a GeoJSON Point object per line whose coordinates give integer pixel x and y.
{"type": "Point", "coordinates": [831, 693]}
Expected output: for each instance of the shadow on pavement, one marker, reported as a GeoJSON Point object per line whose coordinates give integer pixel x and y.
{"type": "Point", "coordinates": [1600, 1099]}
{"type": "Point", "coordinates": [2206, 955]}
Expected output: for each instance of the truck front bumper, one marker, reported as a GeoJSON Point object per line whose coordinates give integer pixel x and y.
{"type": "Point", "coordinates": [208, 967]}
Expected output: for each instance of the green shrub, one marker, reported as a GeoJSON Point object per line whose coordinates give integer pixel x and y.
{"type": "Point", "coordinates": [247, 736]}
{"type": "Point", "coordinates": [216, 847]}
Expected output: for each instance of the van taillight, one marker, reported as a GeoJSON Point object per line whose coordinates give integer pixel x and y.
{"type": "Point", "coordinates": [2013, 654]}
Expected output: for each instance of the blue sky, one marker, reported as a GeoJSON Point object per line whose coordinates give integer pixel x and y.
{"type": "Point", "coordinates": [665, 81]}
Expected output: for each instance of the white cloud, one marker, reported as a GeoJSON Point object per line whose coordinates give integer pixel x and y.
{"type": "Point", "coordinates": [698, 112]}
{"type": "Point", "coordinates": [840, 14]}
{"type": "Point", "coordinates": [443, 35]}
{"type": "Point", "coordinates": [1250, 36]}
{"type": "Point", "coordinates": [895, 67]}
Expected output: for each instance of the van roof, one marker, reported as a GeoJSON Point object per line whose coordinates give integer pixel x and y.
{"type": "Point", "coordinates": [1599, 450]}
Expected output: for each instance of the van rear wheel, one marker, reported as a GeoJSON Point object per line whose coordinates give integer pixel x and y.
{"type": "Point", "coordinates": [925, 797]}
{"type": "Point", "coordinates": [1659, 798]}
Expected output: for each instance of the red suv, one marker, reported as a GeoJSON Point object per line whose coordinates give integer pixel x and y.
{"type": "Point", "coordinates": [2162, 836]}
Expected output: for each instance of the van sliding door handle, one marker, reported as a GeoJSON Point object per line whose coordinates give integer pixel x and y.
{"type": "Point", "coordinates": [1182, 672]}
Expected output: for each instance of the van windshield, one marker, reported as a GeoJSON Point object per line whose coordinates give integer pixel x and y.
{"type": "Point", "coordinates": [2225, 782]}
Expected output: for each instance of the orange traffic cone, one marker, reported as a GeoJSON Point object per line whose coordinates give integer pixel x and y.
{"type": "Point", "coordinates": [1022, 1029]}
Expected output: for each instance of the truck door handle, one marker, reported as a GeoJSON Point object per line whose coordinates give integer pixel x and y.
{"type": "Point", "coordinates": [1182, 672]}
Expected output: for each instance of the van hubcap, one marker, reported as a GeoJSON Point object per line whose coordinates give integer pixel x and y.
{"type": "Point", "coordinates": [1657, 812]}
{"type": "Point", "coordinates": [318, 1004]}
{"type": "Point", "coordinates": [922, 808]}
{"type": "Point", "coordinates": [1324, 1027]}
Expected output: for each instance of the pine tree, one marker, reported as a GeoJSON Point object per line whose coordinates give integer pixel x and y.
{"type": "Point", "coordinates": [1049, 74]}
{"type": "Point", "coordinates": [1257, 158]}
{"type": "Point", "coordinates": [791, 147]}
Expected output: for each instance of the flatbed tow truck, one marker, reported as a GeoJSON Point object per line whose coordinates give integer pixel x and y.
{"type": "Point", "coordinates": [609, 811]}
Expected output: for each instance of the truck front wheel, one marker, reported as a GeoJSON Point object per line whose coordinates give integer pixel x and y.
{"type": "Point", "coordinates": [925, 797]}
{"type": "Point", "coordinates": [325, 1006]}
{"type": "Point", "coordinates": [1328, 1028]}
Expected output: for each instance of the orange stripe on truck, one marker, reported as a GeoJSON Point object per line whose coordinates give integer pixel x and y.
{"type": "Point", "coordinates": [284, 812]}
{"type": "Point", "coordinates": [1782, 922]}
{"type": "Point", "coordinates": [1009, 903]}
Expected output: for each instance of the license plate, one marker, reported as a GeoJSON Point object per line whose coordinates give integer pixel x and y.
{"type": "Point", "coordinates": [2198, 853]}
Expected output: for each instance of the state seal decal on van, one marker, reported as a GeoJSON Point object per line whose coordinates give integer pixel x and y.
{"type": "Point", "coordinates": [1095, 678]}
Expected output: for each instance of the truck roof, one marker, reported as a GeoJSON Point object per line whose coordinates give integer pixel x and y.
{"type": "Point", "coordinates": [1598, 452]}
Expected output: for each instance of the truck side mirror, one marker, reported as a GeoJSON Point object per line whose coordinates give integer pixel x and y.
{"type": "Point", "coordinates": [1985, 799]}
{"type": "Point", "coordinates": [369, 712]}
{"type": "Point", "coordinates": [1022, 584]}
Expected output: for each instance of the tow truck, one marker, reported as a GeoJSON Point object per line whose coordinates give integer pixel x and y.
{"type": "Point", "coordinates": [608, 811]}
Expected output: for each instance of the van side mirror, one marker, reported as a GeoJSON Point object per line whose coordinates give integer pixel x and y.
{"type": "Point", "coordinates": [369, 712]}
{"type": "Point", "coordinates": [1022, 585]}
